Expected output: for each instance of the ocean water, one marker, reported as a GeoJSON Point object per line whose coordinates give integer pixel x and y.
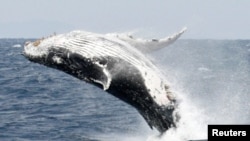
{"type": "Point", "coordinates": [210, 77]}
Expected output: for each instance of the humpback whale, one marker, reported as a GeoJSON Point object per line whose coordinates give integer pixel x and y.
{"type": "Point", "coordinates": [116, 64]}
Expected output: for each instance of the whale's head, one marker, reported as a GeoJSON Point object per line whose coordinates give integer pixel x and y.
{"type": "Point", "coordinates": [62, 53]}
{"type": "Point", "coordinates": [33, 50]}
{"type": "Point", "coordinates": [38, 51]}
{"type": "Point", "coordinates": [51, 51]}
{"type": "Point", "coordinates": [59, 49]}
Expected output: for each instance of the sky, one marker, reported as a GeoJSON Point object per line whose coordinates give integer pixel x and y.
{"type": "Point", "coordinates": [205, 19]}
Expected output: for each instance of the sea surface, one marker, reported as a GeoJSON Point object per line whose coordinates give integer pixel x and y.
{"type": "Point", "coordinates": [211, 77]}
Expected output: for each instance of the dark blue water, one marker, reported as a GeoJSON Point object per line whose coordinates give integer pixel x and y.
{"type": "Point", "coordinates": [40, 103]}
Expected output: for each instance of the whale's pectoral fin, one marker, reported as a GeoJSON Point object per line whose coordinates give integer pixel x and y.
{"type": "Point", "coordinates": [92, 70]}
{"type": "Point", "coordinates": [97, 73]}
{"type": "Point", "coordinates": [153, 44]}
{"type": "Point", "coordinates": [105, 78]}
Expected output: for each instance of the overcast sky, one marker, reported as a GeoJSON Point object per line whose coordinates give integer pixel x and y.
{"type": "Point", "coordinates": [205, 19]}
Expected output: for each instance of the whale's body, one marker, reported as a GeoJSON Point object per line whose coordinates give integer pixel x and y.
{"type": "Point", "coordinates": [116, 64]}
